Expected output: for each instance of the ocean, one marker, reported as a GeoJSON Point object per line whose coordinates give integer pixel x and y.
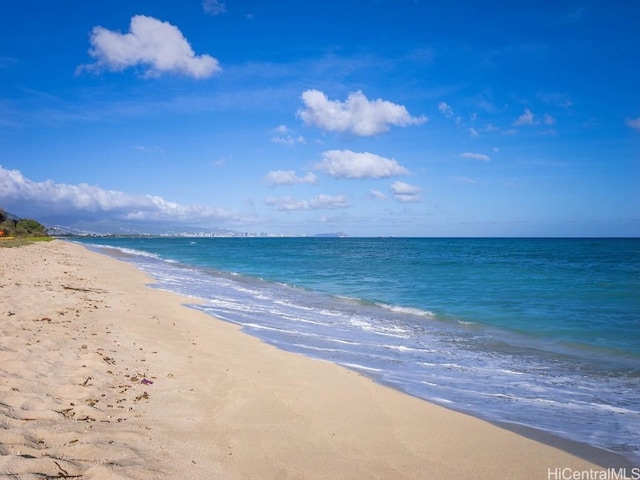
{"type": "Point", "coordinates": [543, 333]}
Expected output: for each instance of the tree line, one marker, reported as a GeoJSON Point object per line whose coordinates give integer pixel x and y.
{"type": "Point", "coordinates": [11, 226]}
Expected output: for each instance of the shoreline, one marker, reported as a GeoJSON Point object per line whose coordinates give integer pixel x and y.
{"type": "Point", "coordinates": [198, 395]}
{"type": "Point", "coordinates": [590, 453]}
{"type": "Point", "coordinates": [600, 456]}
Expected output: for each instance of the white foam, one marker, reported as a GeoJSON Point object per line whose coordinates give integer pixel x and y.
{"type": "Point", "coordinates": [465, 323]}
{"type": "Point", "coordinates": [407, 310]}
{"type": "Point", "coordinates": [321, 349]}
{"type": "Point", "coordinates": [128, 251]}
{"type": "Point", "coordinates": [287, 303]}
{"type": "Point", "coordinates": [281, 330]}
{"type": "Point", "coordinates": [347, 342]}
{"type": "Point", "coordinates": [403, 348]}
{"type": "Point", "coordinates": [357, 366]}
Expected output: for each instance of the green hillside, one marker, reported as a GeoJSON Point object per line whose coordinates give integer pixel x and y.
{"type": "Point", "coordinates": [13, 226]}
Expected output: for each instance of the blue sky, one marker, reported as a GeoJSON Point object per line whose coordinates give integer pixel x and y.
{"type": "Point", "coordinates": [371, 117]}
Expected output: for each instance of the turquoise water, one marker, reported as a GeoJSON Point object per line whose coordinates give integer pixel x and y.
{"type": "Point", "coordinates": [538, 332]}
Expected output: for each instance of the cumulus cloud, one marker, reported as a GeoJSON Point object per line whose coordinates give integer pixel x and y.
{"type": "Point", "coordinates": [285, 136]}
{"type": "Point", "coordinates": [445, 109]}
{"type": "Point", "coordinates": [526, 118]}
{"type": "Point", "coordinates": [50, 199]}
{"type": "Point", "coordinates": [213, 7]}
{"type": "Point", "coordinates": [475, 156]}
{"type": "Point", "coordinates": [377, 195]}
{"type": "Point", "coordinates": [289, 177]}
{"type": "Point", "coordinates": [403, 192]}
{"type": "Point", "coordinates": [634, 123]}
{"type": "Point", "coordinates": [356, 115]}
{"type": "Point", "coordinates": [317, 203]}
{"type": "Point", "coordinates": [158, 47]}
{"type": "Point", "coordinates": [348, 164]}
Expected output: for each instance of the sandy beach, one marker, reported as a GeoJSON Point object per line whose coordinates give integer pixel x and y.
{"type": "Point", "coordinates": [102, 377]}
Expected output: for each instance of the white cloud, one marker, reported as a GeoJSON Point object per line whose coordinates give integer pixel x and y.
{"type": "Point", "coordinates": [317, 203]}
{"type": "Point", "coordinates": [285, 136]}
{"type": "Point", "coordinates": [526, 118]}
{"type": "Point", "coordinates": [634, 123]}
{"type": "Point", "coordinates": [357, 115]}
{"type": "Point", "coordinates": [213, 7]}
{"type": "Point", "coordinates": [157, 46]}
{"type": "Point", "coordinates": [348, 164]}
{"type": "Point", "coordinates": [289, 177]}
{"type": "Point", "coordinates": [329, 201]}
{"type": "Point", "coordinates": [475, 156]}
{"type": "Point", "coordinates": [288, 140]}
{"type": "Point", "coordinates": [445, 109]}
{"type": "Point", "coordinates": [49, 199]}
{"type": "Point", "coordinates": [146, 149]}
{"type": "Point", "coordinates": [403, 192]}
{"type": "Point", "coordinates": [464, 180]}
{"type": "Point", "coordinates": [377, 195]}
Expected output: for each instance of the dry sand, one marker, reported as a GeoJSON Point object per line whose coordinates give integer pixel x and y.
{"type": "Point", "coordinates": [82, 338]}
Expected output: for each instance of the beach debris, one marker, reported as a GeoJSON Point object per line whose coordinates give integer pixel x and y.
{"type": "Point", "coordinates": [144, 396]}
{"type": "Point", "coordinates": [79, 289]}
{"type": "Point", "coordinates": [145, 381]}
{"type": "Point", "coordinates": [63, 473]}
{"type": "Point", "coordinates": [109, 360]}
{"type": "Point", "coordinates": [67, 412]}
